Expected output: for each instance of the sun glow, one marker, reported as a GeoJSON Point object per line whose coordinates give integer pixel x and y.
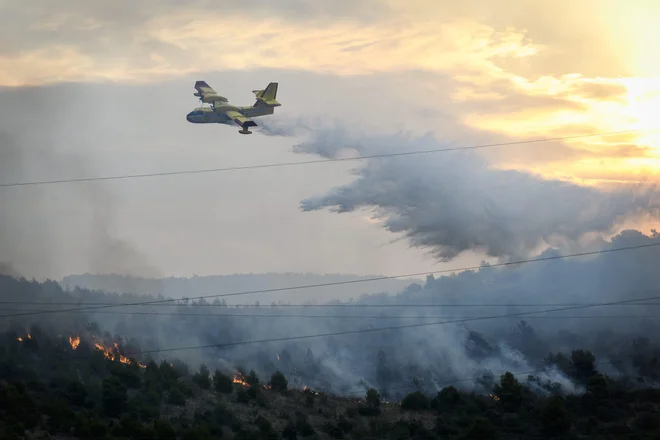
{"type": "Point", "coordinates": [643, 107]}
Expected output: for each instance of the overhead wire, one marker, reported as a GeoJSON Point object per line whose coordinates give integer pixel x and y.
{"type": "Point", "coordinates": [306, 306]}
{"type": "Point", "coordinates": [279, 315]}
{"type": "Point", "coordinates": [339, 283]}
{"type": "Point", "coordinates": [309, 162]}
{"type": "Point", "coordinates": [379, 329]}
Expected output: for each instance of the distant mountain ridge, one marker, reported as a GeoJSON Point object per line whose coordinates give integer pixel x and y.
{"type": "Point", "coordinates": [180, 287]}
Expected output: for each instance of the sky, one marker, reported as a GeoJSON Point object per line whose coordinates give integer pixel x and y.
{"type": "Point", "coordinates": [102, 88]}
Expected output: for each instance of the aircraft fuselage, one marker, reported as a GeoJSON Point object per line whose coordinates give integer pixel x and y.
{"type": "Point", "coordinates": [207, 115]}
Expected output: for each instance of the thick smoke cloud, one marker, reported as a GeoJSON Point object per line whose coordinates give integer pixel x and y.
{"type": "Point", "coordinates": [455, 202]}
{"type": "Point", "coordinates": [449, 203]}
{"type": "Point", "coordinates": [469, 354]}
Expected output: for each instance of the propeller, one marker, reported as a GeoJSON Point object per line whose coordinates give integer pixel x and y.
{"type": "Point", "coordinates": [200, 97]}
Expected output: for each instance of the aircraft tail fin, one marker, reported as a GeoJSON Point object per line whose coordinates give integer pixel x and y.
{"type": "Point", "coordinates": [267, 96]}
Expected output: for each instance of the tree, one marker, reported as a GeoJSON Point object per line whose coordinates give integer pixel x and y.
{"type": "Point", "coordinates": [416, 401]}
{"type": "Point", "coordinates": [128, 374]}
{"type": "Point", "coordinates": [510, 392]}
{"type": "Point", "coordinates": [373, 398]}
{"type": "Point", "coordinates": [76, 393]}
{"type": "Point", "coordinates": [554, 417]}
{"type": "Point", "coordinates": [278, 381]}
{"type": "Point", "coordinates": [176, 397]}
{"type": "Point", "coordinates": [114, 396]}
{"type": "Point", "coordinates": [252, 379]}
{"type": "Point", "coordinates": [223, 383]}
{"type": "Point", "coordinates": [583, 364]}
{"type": "Point", "coordinates": [203, 378]}
{"type": "Point", "coordinates": [446, 399]}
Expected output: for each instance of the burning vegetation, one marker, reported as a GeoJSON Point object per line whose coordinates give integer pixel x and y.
{"type": "Point", "coordinates": [113, 353]}
{"type": "Point", "coordinates": [240, 379]}
{"type": "Point", "coordinates": [19, 339]}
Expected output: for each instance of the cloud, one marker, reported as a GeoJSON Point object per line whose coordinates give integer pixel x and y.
{"type": "Point", "coordinates": [599, 91]}
{"type": "Point", "coordinates": [455, 202]}
{"type": "Point", "coordinates": [516, 75]}
{"type": "Point", "coordinates": [140, 42]}
{"type": "Point", "coordinates": [128, 40]}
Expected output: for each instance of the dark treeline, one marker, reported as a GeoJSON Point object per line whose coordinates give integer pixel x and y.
{"type": "Point", "coordinates": [53, 387]}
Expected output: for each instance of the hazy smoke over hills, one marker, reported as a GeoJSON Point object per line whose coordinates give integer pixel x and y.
{"type": "Point", "coordinates": [223, 284]}
{"type": "Point", "coordinates": [468, 353]}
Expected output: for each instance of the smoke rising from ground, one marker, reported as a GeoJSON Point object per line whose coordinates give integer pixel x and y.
{"type": "Point", "coordinates": [455, 202]}
{"type": "Point", "coordinates": [37, 143]}
{"type": "Point", "coordinates": [450, 203]}
{"type": "Point", "coordinates": [468, 354]}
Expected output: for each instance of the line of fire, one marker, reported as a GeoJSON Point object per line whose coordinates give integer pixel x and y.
{"type": "Point", "coordinates": [110, 351]}
{"type": "Point", "coordinates": [114, 353]}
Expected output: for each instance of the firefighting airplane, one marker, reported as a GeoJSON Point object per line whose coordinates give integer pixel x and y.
{"type": "Point", "coordinates": [222, 112]}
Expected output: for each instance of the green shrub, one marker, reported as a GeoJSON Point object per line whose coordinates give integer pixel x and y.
{"type": "Point", "coordinates": [278, 381]}
{"type": "Point", "coordinates": [416, 401]}
{"type": "Point", "coordinates": [223, 383]}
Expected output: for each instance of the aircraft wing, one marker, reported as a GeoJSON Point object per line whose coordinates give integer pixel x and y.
{"type": "Point", "coordinates": [241, 120]}
{"type": "Point", "coordinates": [206, 93]}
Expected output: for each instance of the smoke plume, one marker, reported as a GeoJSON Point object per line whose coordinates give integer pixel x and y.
{"type": "Point", "coordinates": [453, 202]}
{"type": "Point", "coordinates": [37, 143]}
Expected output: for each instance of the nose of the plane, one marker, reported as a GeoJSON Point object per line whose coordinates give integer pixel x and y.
{"type": "Point", "coordinates": [188, 117]}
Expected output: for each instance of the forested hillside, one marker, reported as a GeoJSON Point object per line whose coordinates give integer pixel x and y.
{"type": "Point", "coordinates": [82, 387]}
{"type": "Point", "coordinates": [74, 374]}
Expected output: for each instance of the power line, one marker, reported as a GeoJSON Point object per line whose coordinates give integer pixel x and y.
{"type": "Point", "coordinates": [339, 283]}
{"type": "Point", "coordinates": [309, 162]}
{"type": "Point", "coordinates": [304, 306]}
{"type": "Point", "coordinates": [256, 315]}
{"type": "Point", "coordinates": [379, 329]}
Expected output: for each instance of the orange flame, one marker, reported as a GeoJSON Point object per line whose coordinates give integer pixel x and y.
{"type": "Point", "coordinates": [75, 342]}
{"type": "Point", "coordinates": [19, 339]}
{"type": "Point", "coordinates": [238, 378]}
{"type": "Point", "coordinates": [495, 398]}
{"type": "Point", "coordinates": [110, 354]}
